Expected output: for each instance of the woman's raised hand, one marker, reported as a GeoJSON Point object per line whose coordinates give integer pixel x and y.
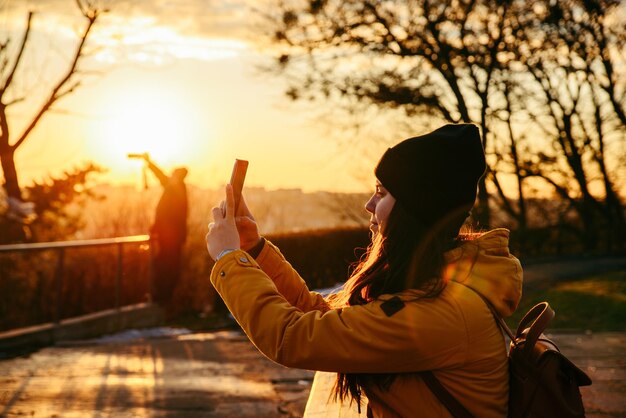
{"type": "Point", "coordinates": [248, 229]}
{"type": "Point", "coordinates": [223, 233]}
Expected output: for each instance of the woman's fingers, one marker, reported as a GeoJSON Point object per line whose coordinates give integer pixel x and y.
{"type": "Point", "coordinates": [223, 232]}
{"type": "Point", "coordinates": [230, 203]}
{"type": "Point", "coordinates": [244, 221]}
{"type": "Point", "coordinates": [226, 208]}
{"type": "Point", "coordinates": [243, 209]}
{"type": "Point", "coordinates": [217, 213]}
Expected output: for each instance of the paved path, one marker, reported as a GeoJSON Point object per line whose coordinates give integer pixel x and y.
{"type": "Point", "coordinates": [198, 375]}
{"type": "Point", "coordinates": [603, 357]}
{"type": "Point", "coordinates": [221, 374]}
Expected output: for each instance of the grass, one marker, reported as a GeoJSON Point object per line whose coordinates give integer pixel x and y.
{"type": "Point", "coordinates": [596, 303]}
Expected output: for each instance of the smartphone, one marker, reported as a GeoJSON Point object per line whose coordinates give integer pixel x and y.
{"type": "Point", "coordinates": [236, 180]}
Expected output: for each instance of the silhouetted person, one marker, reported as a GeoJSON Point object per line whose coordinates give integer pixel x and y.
{"type": "Point", "coordinates": [169, 232]}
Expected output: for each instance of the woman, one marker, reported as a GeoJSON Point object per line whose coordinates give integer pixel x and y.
{"type": "Point", "coordinates": [412, 303]}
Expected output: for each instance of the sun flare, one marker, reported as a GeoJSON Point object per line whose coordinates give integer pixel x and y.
{"type": "Point", "coordinates": [146, 124]}
{"type": "Point", "coordinates": [141, 120]}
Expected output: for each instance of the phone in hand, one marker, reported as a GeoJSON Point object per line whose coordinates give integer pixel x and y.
{"type": "Point", "coordinates": [236, 180]}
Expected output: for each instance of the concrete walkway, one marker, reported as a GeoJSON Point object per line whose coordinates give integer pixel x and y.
{"type": "Point", "coordinates": [216, 374]}
{"type": "Point", "coordinates": [603, 357]}
{"type": "Point", "coordinates": [221, 374]}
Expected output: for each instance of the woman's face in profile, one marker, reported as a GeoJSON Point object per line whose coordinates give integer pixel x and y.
{"type": "Point", "coordinates": [379, 206]}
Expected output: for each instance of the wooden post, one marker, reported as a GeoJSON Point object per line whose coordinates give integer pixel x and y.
{"type": "Point", "coordinates": [58, 278]}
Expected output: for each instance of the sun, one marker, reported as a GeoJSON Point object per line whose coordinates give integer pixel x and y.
{"type": "Point", "coordinates": [148, 122]}
{"type": "Point", "coordinates": [144, 120]}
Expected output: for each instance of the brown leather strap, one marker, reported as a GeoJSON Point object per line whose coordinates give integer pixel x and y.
{"type": "Point", "coordinates": [540, 315]}
{"type": "Point", "coordinates": [446, 398]}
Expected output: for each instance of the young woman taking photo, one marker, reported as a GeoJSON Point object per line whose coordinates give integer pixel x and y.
{"type": "Point", "coordinates": [412, 304]}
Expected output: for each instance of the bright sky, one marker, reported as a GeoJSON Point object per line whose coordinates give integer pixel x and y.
{"type": "Point", "coordinates": [176, 79]}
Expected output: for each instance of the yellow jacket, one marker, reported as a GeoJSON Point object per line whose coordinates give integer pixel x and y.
{"type": "Point", "coordinates": [453, 335]}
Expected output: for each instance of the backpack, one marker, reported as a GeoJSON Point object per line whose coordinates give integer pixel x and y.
{"type": "Point", "coordinates": [543, 383]}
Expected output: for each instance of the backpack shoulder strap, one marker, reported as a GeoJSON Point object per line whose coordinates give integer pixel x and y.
{"type": "Point", "coordinates": [445, 397]}
{"type": "Point", "coordinates": [540, 315]}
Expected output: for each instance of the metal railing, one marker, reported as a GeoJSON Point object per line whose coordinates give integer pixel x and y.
{"type": "Point", "coordinates": [59, 271]}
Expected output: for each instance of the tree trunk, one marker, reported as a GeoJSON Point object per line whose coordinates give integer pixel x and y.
{"type": "Point", "coordinates": [590, 232]}
{"type": "Point", "coordinates": [11, 184]}
{"type": "Point", "coordinates": [482, 212]}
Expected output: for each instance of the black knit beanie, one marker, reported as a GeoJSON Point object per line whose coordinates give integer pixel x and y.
{"type": "Point", "coordinates": [436, 174]}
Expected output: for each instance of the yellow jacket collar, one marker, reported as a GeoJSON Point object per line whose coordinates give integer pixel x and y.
{"type": "Point", "coordinates": [486, 265]}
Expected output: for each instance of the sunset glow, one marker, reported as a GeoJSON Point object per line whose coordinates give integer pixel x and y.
{"type": "Point", "coordinates": [144, 119]}
{"type": "Point", "coordinates": [181, 84]}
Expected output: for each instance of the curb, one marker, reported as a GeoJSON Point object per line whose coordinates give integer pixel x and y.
{"type": "Point", "coordinates": [22, 340]}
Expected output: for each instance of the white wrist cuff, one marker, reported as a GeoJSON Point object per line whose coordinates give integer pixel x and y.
{"type": "Point", "coordinates": [224, 252]}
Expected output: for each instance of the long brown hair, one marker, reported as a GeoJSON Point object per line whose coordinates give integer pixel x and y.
{"type": "Point", "coordinates": [405, 254]}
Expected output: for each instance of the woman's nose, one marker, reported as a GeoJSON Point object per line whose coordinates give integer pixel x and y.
{"type": "Point", "coordinates": [370, 206]}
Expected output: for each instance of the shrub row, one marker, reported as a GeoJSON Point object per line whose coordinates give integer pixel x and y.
{"type": "Point", "coordinates": [323, 257]}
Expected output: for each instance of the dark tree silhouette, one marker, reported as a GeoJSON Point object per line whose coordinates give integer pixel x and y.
{"type": "Point", "coordinates": [569, 52]}
{"type": "Point", "coordinates": [10, 69]}
{"type": "Point", "coordinates": [57, 202]}
{"type": "Point", "coordinates": [539, 77]}
{"type": "Point", "coordinates": [427, 57]}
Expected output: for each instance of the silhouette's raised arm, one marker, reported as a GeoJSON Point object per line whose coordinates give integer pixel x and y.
{"type": "Point", "coordinates": [157, 172]}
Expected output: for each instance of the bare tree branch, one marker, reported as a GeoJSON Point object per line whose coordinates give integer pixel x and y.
{"type": "Point", "coordinates": [18, 59]}
{"type": "Point", "coordinates": [14, 101]}
{"type": "Point", "coordinates": [57, 91]}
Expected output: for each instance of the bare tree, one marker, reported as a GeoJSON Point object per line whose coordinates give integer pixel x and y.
{"type": "Point", "coordinates": [539, 77]}
{"type": "Point", "coordinates": [512, 158]}
{"type": "Point", "coordinates": [574, 97]}
{"type": "Point", "coordinates": [10, 67]}
{"type": "Point", "coordinates": [430, 58]}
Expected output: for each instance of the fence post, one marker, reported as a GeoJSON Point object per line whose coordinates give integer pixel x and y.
{"type": "Point", "coordinates": [118, 277]}
{"type": "Point", "coordinates": [59, 286]}
{"type": "Point", "coordinates": [151, 269]}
